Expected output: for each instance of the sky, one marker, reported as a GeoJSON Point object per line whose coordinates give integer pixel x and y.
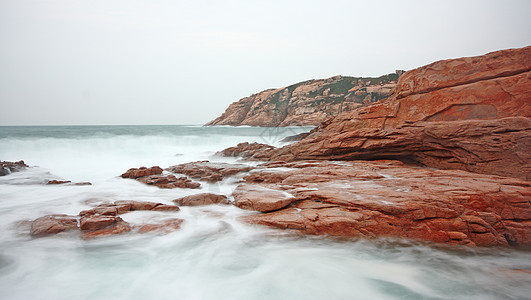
{"type": "Point", "coordinates": [132, 62]}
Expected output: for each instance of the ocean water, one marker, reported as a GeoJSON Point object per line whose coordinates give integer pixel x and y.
{"type": "Point", "coordinates": [213, 255]}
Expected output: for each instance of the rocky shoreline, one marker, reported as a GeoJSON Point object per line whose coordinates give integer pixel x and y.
{"type": "Point", "coordinates": [444, 159]}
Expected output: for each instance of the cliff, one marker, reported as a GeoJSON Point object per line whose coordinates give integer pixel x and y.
{"type": "Point", "coordinates": [307, 103]}
{"type": "Point", "coordinates": [444, 159]}
{"type": "Point", "coordinates": [469, 113]}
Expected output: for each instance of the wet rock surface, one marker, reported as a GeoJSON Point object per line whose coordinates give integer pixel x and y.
{"type": "Point", "coordinates": [470, 113]}
{"type": "Point", "coordinates": [388, 198]}
{"type": "Point", "coordinates": [164, 227]}
{"type": "Point", "coordinates": [103, 220]}
{"type": "Point", "coordinates": [202, 199]}
{"type": "Point", "coordinates": [52, 224]}
{"type": "Point", "coordinates": [209, 171]}
{"type": "Point", "coordinates": [135, 173]}
{"type": "Point", "coordinates": [247, 150]}
{"type": "Point", "coordinates": [7, 167]}
{"type": "Point", "coordinates": [153, 176]}
{"type": "Point", "coordinates": [262, 198]}
{"type": "Point", "coordinates": [169, 182]}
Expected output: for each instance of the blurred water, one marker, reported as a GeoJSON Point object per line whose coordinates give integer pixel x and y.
{"type": "Point", "coordinates": [213, 256]}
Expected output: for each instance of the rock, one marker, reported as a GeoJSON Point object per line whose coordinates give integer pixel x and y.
{"type": "Point", "coordinates": [395, 200]}
{"type": "Point", "coordinates": [119, 227]}
{"type": "Point", "coordinates": [82, 183]}
{"type": "Point", "coordinates": [202, 199]}
{"type": "Point", "coordinates": [58, 181]}
{"type": "Point", "coordinates": [165, 227]}
{"type": "Point", "coordinates": [165, 207]}
{"type": "Point", "coordinates": [68, 182]}
{"type": "Point", "coordinates": [102, 220]}
{"type": "Point", "coordinates": [94, 222]}
{"type": "Point", "coordinates": [306, 103]}
{"type": "Point", "coordinates": [169, 182]}
{"type": "Point", "coordinates": [121, 207]}
{"type": "Point", "coordinates": [261, 198]}
{"type": "Point", "coordinates": [152, 176]}
{"type": "Point", "coordinates": [52, 224]}
{"type": "Point", "coordinates": [249, 151]}
{"type": "Point", "coordinates": [295, 138]}
{"type": "Point", "coordinates": [135, 173]}
{"type": "Point", "coordinates": [135, 205]}
{"type": "Point", "coordinates": [7, 167]}
{"type": "Point", "coordinates": [209, 171]}
{"type": "Point", "coordinates": [461, 71]}
{"type": "Point", "coordinates": [478, 123]}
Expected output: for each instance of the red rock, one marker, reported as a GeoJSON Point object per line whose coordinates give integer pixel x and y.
{"type": "Point", "coordinates": [135, 205]}
{"type": "Point", "coordinates": [461, 71]}
{"type": "Point", "coordinates": [261, 198]}
{"type": "Point", "coordinates": [82, 183]}
{"type": "Point", "coordinates": [94, 222]}
{"type": "Point", "coordinates": [58, 181]}
{"type": "Point", "coordinates": [169, 182]}
{"type": "Point", "coordinates": [477, 120]}
{"type": "Point", "coordinates": [249, 150]}
{"type": "Point", "coordinates": [7, 167]}
{"type": "Point", "coordinates": [141, 172]}
{"type": "Point", "coordinates": [165, 227]}
{"type": "Point", "coordinates": [306, 103]}
{"type": "Point", "coordinates": [164, 207]}
{"type": "Point", "coordinates": [103, 209]}
{"type": "Point", "coordinates": [119, 227]}
{"type": "Point", "coordinates": [442, 206]}
{"type": "Point", "coordinates": [209, 171]}
{"type": "Point", "coordinates": [52, 224]}
{"type": "Point", "coordinates": [202, 199]}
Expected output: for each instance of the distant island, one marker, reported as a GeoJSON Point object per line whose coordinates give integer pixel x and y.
{"type": "Point", "coordinates": [309, 102]}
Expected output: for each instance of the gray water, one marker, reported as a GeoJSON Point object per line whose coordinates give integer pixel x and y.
{"type": "Point", "coordinates": [213, 255]}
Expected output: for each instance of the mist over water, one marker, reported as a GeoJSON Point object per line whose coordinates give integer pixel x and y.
{"type": "Point", "coordinates": [213, 255]}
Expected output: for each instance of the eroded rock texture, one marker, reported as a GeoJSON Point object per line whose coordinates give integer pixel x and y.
{"type": "Point", "coordinates": [307, 103]}
{"type": "Point", "coordinates": [470, 113]}
{"type": "Point", "coordinates": [391, 199]}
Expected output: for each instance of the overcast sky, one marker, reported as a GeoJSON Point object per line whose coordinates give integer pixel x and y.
{"type": "Point", "coordinates": [183, 62]}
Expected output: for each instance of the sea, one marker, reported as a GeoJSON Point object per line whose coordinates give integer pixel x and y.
{"type": "Point", "coordinates": [213, 255]}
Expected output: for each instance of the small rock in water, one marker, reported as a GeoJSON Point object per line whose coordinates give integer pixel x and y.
{"type": "Point", "coordinates": [52, 224]}
{"type": "Point", "coordinates": [7, 167]}
{"type": "Point", "coordinates": [202, 199]}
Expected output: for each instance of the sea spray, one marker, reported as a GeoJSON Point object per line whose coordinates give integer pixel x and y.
{"type": "Point", "coordinates": [213, 255]}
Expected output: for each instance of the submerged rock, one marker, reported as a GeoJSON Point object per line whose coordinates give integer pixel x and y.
{"type": "Point", "coordinates": [202, 199]}
{"type": "Point", "coordinates": [7, 167]}
{"type": "Point", "coordinates": [102, 220]}
{"type": "Point", "coordinates": [52, 224]}
{"type": "Point", "coordinates": [153, 176]}
{"type": "Point", "coordinates": [164, 227]}
{"type": "Point", "coordinates": [118, 227]}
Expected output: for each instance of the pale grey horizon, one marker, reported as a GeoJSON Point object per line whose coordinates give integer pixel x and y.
{"type": "Point", "coordinates": [134, 62]}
